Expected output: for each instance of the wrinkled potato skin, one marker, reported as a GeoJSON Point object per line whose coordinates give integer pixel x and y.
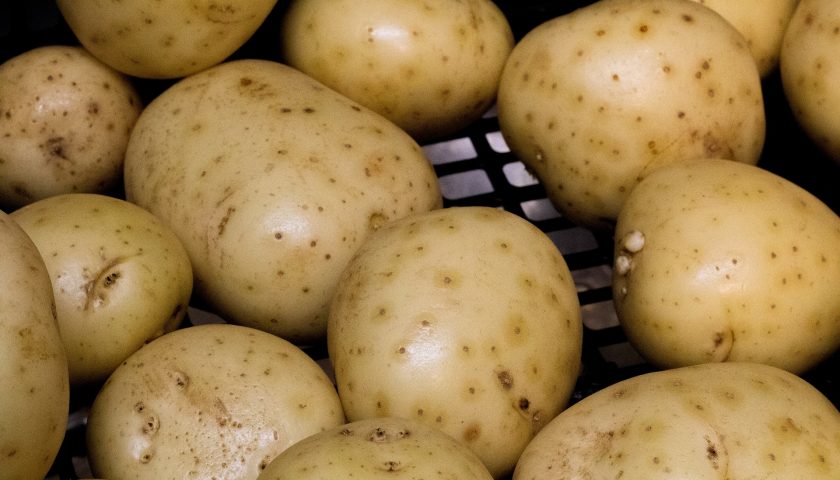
{"type": "Point", "coordinates": [465, 318]}
{"type": "Point", "coordinates": [120, 277]}
{"type": "Point", "coordinates": [65, 119]}
{"type": "Point", "coordinates": [33, 367]}
{"type": "Point", "coordinates": [430, 66]}
{"type": "Point", "coordinates": [736, 264]}
{"type": "Point", "coordinates": [593, 100]}
{"type": "Point", "coordinates": [210, 401]}
{"type": "Point", "coordinates": [271, 181]}
{"type": "Point", "coordinates": [385, 448]}
{"type": "Point", "coordinates": [706, 422]}
{"type": "Point", "coordinates": [165, 38]}
{"type": "Point", "coordinates": [810, 68]}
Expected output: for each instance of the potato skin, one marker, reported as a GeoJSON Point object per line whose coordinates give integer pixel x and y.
{"type": "Point", "coordinates": [33, 367]}
{"type": "Point", "coordinates": [710, 422]}
{"type": "Point", "coordinates": [722, 261]}
{"type": "Point", "coordinates": [65, 119]}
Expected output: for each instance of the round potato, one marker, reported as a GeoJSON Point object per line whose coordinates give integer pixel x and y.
{"type": "Point", "coordinates": [465, 318]}
{"type": "Point", "coordinates": [120, 277]}
{"type": "Point", "coordinates": [703, 422]}
{"type": "Point", "coordinates": [210, 401]}
{"type": "Point", "coordinates": [164, 39]}
{"type": "Point", "coordinates": [430, 66]}
{"type": "Point", "coordinates": [721, 261]}
{"type": "Point", "coordinates": [65, 119]}
{"type": "Point", "coordinates": [386, 448]}
{"type": "Point", "coordinates": [594, 99]}
{"type": "Point", "coordinates": [33, 367]}
{"type": "Point", "coordinates": [271, 181]}
{"type": "Point", "coordinates": [810, 70]}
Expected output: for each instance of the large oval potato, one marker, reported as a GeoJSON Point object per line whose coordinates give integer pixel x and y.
{"type": "Point", "coordinates": [120, 277]}
{"type": "Point", "coordinates": [721, 261]}
{"type": "Point", "coordinates": [33, 367]}
{"type": "Point", "coordinates": [65, 119]}
{"type": "Point", "coordinates": [465, 318]}
{"type": "Point", "coordinates": [705, 422]}
{"type": "Point", "coordinates": [210, 401]}
{"type": "Point", "coordinates": [594, 99]}
{"type": "Point", "coordinates": [271, 181]}
{"type": "Point", "coordinates": [163, 39]}
{"type": "Point", "coordinates": [430, 66]}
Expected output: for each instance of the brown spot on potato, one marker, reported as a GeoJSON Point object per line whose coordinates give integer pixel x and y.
{"type": "Point", "coordinates": [472, 433]}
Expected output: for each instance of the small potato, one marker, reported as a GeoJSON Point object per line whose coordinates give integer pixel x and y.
{"type": "Point", "coordinates": [430, 66]}
{"type": "Point", "coordinates": [721, 261]}
{"type": "Point", "coordinates": [35, 396]}
{"type": "Point", "coordinates": [65, 119]}
{"type": "Point", "coordinates": [594, 99]}
{"type": "Point", "coordinates": [385, 448]}
{"type": "Point", "coordinates": [163, 39]}
{"type": "Point", "coordinates": [465, 318]}
{"type": "Point", "coordinates": [810, 69]}
{"type": "Point", "coordinates": [120, 276]}
{"type": "Point", "coordinates": [705, 422]}
{"type": "Point", "coordinates": [210, 401]}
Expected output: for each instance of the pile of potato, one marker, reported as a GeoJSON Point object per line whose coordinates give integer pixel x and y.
{"type": "Point", "coordinates": [263, 161]}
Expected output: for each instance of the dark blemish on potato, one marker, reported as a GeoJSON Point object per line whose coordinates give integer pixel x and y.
{"type": "Point", "coordinates": [223, 222]}
{"type": "Point", "coordinates": [472, 433]}
{"type": "Point", "coordinates": [524, 404]}
{"type": "Point", "coordinates": [505, 379]}
{"type": "Point", "coordinates": [391, 466]}
{"type": "Point", "coordinates": [308, 110]}
{"type": "Point", "coordinates": [687, 18]}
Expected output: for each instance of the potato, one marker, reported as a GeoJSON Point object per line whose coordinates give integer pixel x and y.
{"type": "Point", "coordinates": [378, 448]}
{"type": "Point", "coordinates": [271, 181]}
{"type": "Point", "coordinates": [721, 261]}
{"type": "Point", "coordinates": [465, 318]}
{"type": "Point", "coordinates": [594, 99]}
{"type": "Point", "coordinates": [430, 66]}
{"type": "Point", "coordinates": [65, 119]}
{"type": "Point", "coordinates": [810, 71]}
{"type": "Point", "coordinates": [761, 22]}
{"type": "Point", "coordinates": [210, 401]}
{"type": "Point", "coordinates": [705, 422]}
{"type": "Point", "coordinates": [120, 277]}
{"type": "Point", "coordinates": [163, 39]}
{"type": "Point", "coordinates": [33, 367]}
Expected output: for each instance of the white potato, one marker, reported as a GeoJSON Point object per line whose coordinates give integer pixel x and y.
{"type": "Point", "coordinates": [65, 119]}
{"type": "Point", "coordinates": [120, 277]}
{"type": "Point", "coordinates": [465, 318]}
{"type": "Point", "coordinates": [33, 367]}
{"type": "Point", "coordinates": [705, 422]}
{"type": "Point", "coordinates": [210, 401]}
{"type": "Point", "coordinates": [378, 448]}
{"type": "Point", "coordinates": [810, 69]}
{"type": "Point", "coordinates": [594, 99]}
{"type": "Point", "coordinates": [721, 261]}
{"type": "Point", "coordinates": [271, 181]}
{"type": "Point", "coordinates": [164, 38]}
{"type": "Point", "coordinates": [430, 66]}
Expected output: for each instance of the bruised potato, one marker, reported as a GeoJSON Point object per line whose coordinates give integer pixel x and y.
{"type": "Point", "coordinates": [704, 422]}
{"type": "Point", "coordinates": [721, 261]}
{"type": "Point", "coordinates": [65, 119]}
{"type": "Point", "coordinates": [120, 277]}
{"type": "Point", "coordinates": [210, 401]}
{"type": "Point", "coordinates": [465, 318]}
{"type": "Point", "coordinates": [385, 448]}
{"type": "Point", "coordinates": [593, 100]}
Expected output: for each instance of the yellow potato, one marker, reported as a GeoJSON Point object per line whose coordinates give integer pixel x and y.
{"type": "Point", "coordinates": [430, 66]}
{"type": "Point", "coordinates": [65, 119]}
{"type": "Point", "coordinates": [120, 277]}
{"type": "Point", "coordinates": [465, 318]}
{"type": "Point", "coordinates": [594, 99]}
{"type": "Point", "coordinates": [163, 38]}
{"type": "Point", "coordinates": [271, 181]}
{"type": "Point", "coordinates": [721, 261]}
{"type": "Point", "coordinates": [33, 367]}
{"type": "Point", "coordinates": [211, 401]}
{"type": "Point", "coordinates": [706, 422]}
